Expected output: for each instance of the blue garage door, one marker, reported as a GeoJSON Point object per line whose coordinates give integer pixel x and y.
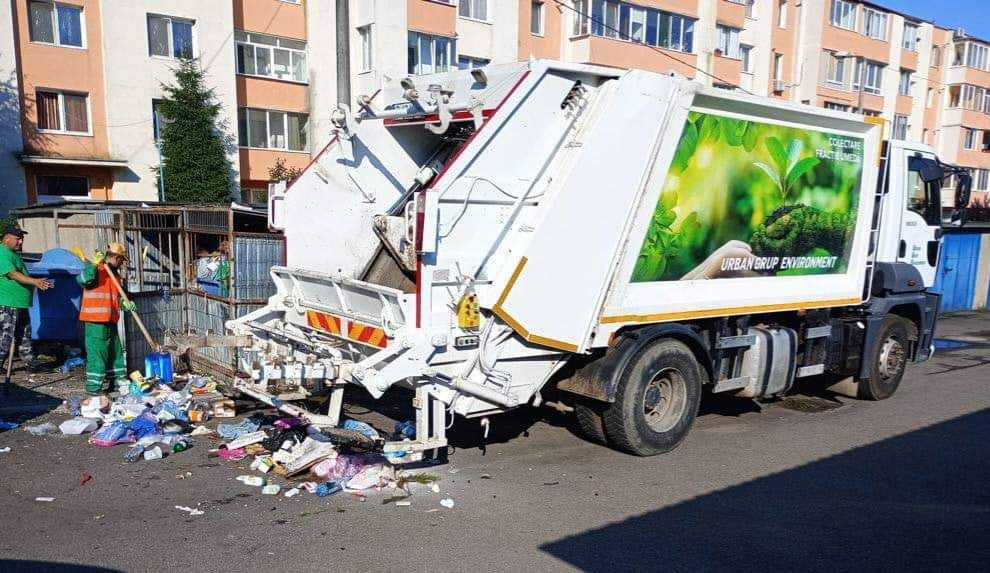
{"type": "Point", "coordinates": [956, 277]}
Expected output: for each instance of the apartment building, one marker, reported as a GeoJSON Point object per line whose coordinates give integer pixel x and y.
{"type": "Point", "coordinates": [86, 73]}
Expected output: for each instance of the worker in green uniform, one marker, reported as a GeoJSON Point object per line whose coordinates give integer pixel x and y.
{"type": "Point", "coordinates": [100, 311]}
{"type": "Point", "coordinates": [16, 291]}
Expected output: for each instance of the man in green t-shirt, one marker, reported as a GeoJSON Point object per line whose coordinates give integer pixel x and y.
{"type": "Point", "coordinates": [16, 290]}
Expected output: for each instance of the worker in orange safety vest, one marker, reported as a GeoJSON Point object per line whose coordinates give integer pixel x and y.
{"type": "Point", "coordinates": [100, 311]}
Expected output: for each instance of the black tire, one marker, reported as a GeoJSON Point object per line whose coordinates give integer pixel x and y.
{"type": "Point", "coordinates": [588, 418]}
{"type": "Point", "coordinates": [887, 361]}
{"type": "Point", "coordinates": [665, 378]}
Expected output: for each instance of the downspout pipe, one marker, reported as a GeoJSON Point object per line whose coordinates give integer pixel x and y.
{"type": "Point", "coordinates": [343, 33]}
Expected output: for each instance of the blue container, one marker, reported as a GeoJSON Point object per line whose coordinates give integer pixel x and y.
{"type": "Point", "coordinates": [158, 364]}
{"type": "Point", "coordinates": [55, 312]}
{"type": "Point", "coordinates": [210, 287]}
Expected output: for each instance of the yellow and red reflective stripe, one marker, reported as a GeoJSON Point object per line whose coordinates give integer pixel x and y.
{"type": "Point", "coordinates": [356, 331]}
{"type": "Point", "coordinates": [324, 322]}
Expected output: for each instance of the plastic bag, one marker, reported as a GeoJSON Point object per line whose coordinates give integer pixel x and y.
{"type": "Point", "coordinates": [343, 467]}
{"type": "Point", "coordinates": [361, 427]}
{"type": "Point", "coordinates": [144, 425]}
{"type": "Point", "coordinates": [111, 435]}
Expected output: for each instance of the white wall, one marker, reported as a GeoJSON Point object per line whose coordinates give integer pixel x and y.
{"type": "Point", "coordinates": [12, 184]}
{"type": "Point", "coordinates": [321, 45]}
{"type": "Point", "coordinates": [497, 39]}
{"type": "Point", "coordinates": [133, 80]}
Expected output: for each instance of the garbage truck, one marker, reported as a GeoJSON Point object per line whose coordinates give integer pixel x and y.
{"type": "Point", "coordinates": [612, 243]}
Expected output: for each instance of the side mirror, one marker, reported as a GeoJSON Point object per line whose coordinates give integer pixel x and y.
{"type": "Point", "coordinates": [964, 187]}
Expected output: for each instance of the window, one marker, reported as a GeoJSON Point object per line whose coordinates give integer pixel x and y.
{"type": "Point", "coordinates": [843, 14]}
{"type": "Point", "coordinates": [836, 106]}
{"type": "Point", "coordinates": [469, 63]}
{"type": "Point", "coordinates": [910, 41]}
{"type": "Point", "coordinates": [170, 37]}
{"type": "Point", "coordinates": [473, 9]}
{"type": "Point", "coordinates": [900, 126]}
{"type": "Point", "coordinates": [271, 57]}
{"type": "Point", "coordinates": [727, 41]}
{"type": "Point", "coordinates": [929, 97]}
{"type": "Point", "coordinates": [936, 56]}
{"type": "Point", "coordinates": [270, 129]}
{"type": "Point", "coordinates": [778, 67]}
{"type": "Point", "coordinates": [429, 54]}
{"type": "Point", "coordinates": [976, 57]}
{"type": "Point", "coordinates": [904, 85]}
{"type": "Point", "coordinates": [781, 13]}
{"type": "Point", "coordinates": [367, 48]}
{"type": "Point", "coordinates": [745, 53]}
{"type": "Point", "coordinates": [157, 120]}
{"type": "Point", "coordinates": [536, 19]}
{"type": "Point", "coordinates": [874, 24]}
{"type": "Point", "coordinates": [870, 74]}
{"type": "Point", "coordinates": [969, 97]}
{"type": "Point", "coordinates": [969, 138]}
{"type": "Point", "coordinates": [254, 195]}
{"type": "Point", "coordinates": [981, 179]}
{"type": "Point", "coordinates": [619, 20]}
{"type": "Point", "coordinates": [835, 69]}
{"type": "Point", "coordinates": [55, 23]}
{"type": "Point", "coordinates": [62, 112]}
{"type": "Point", "coordinates": [986, 101]}
{"type": "Point", "coordinates": [749, 7]}
{"type": "Point", "coordinates": [55, 187]}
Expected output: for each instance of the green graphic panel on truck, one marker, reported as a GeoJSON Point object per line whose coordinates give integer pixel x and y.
{"type": "Point", "coordinates": [746, 199]}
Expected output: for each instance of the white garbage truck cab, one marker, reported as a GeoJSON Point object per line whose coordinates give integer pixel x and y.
{"type": "Point", "coordinates": [625, 238]}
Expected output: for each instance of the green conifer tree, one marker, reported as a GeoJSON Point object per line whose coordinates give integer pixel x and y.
{"type": "Point", "coordinates": [193, 144]}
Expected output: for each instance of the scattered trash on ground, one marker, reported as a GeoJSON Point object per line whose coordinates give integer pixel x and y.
{"type": "Point", "coordinates": [42, 429]}
{"type": "Point", "coordinates": [5, 450]}
{"type": "Point", "coordinates": [447, 502]}
{"type": "Point", "coordinates": [45, 499]}
{"type": "Point", "coordinates": [189, 510]}
{"type": "Point", "coordinates": [5, 425]}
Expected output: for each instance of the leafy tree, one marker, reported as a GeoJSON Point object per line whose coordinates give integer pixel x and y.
{"type": "Point", "coordinates": [281, 172]}
{"type": "Point", "coordinates": [194, 148]}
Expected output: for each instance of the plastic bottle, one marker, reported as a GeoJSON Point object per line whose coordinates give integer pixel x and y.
{"type": "Point", "coordinates": [134, 453]}
{"type": "Point", "coordinates": [328, 488]}
{"type": "Point", "coordinates": [180, 445]}
{"type": "Point", "coordinates": [154, 453]}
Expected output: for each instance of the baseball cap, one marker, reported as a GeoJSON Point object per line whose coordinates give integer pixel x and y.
{"type": "Point", "coordinates": [14, 231]}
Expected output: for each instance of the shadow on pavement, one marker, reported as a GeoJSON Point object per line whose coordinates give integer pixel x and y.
{"type": "Point", "coordinates": [918, 501]}
{"type": "Point", "coordinates": [20, 404]}
{"type": "Point", "coordinates": [16, 566]}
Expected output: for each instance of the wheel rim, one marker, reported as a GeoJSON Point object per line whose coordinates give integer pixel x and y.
{"type": "Point", "coordinates": [664, 400]}
{"type": "Point", "coordinates": [891, 359]}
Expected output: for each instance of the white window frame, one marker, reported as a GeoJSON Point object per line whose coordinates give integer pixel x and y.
{"type": "Point", "coordinates": [981, 179]}
{"type": "Point", "coordinates": [246, 40]}
{"type": "Point", "coordinates": [915, 41]}
{"type": "Point", "coordinates": [977, 56]}
{"type": "Point", "coordinates": [969, 139]}
{"type": "Point", "coordinates": [863, 74]}
{"type": "Point", "coordinates": [543, 18]}
{"type": "Point", "coordinates": [54, 198]}
{"type": "Point", "coordinates": [843, 14]}
{"type": "Point", "coordinates": [171, 41]}
{"type": "Point", "coordinates": [473, 63]}
{"type": "Point", "coordinates": [870, 16]}
{"type": "Point", "coordinates": [432, 39]}
{"type": "Point", "coordinates": [905, 82]}
{"type": "Point", "coordinates": [900, 126]}
{"type": "Point", "coordinates": [61, 113]}
{"type": "Point", "coordinates": [746, 55]}
{"type": "Point", "coordinates": [782, 14]}
{"type": "Point", "coordinates": [727, 41]}
{"type": "Point", "coordinates": [56, 31]}
{"type": "Point", "coordinates": [679, 31]}
{"type": "Point", "coordinates": [835, 64]}
{"type": "Point", "coordinates": [268, 129]}
{"type": "Point", "coordinates": [778, 66]}
{"type": "Point", "coordinates": [367, 35]}
{"type": "Point", "coordinates": [836, 106]}
{"type": "Point", "coordinates": [470, 9]}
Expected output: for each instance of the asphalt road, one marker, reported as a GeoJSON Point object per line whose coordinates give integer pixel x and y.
{"type": "Point", "coordinates": [815, 483]}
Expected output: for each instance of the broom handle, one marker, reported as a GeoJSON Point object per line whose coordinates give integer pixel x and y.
{"type": "Point", "coordinates": [154, 345]}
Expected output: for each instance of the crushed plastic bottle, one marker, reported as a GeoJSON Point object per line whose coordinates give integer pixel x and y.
{"type": "Point", "coordinates": [68, 365]}
{"type": "Point", "coordinates": [134, 453]}
{"type": "Point", "coordinates": [154, 453]}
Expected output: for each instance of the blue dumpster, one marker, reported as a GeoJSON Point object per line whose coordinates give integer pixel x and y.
{"type": "Point", "coordinates": [55, 312]}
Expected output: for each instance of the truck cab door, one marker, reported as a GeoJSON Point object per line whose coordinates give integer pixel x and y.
{"type": "Point", "coordinates": [921, 219]}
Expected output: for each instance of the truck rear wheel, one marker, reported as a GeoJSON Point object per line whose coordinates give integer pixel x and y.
{"type": "Point", "coordinates": [656, 400]}
{"type": "Point", "coordinates": [887, 362]}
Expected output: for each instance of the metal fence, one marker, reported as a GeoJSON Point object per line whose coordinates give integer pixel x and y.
{"type": "Point", "coordinates": [165, 243]}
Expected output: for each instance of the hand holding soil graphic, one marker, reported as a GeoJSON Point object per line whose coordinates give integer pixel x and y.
{"type": "Point", "coordinates": [714, 266]}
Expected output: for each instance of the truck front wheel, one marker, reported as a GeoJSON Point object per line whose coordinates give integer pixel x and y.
{"type": "Point", "coordinates": [888, 361]}
{"type": "Point", "coordinates": [656, 400]}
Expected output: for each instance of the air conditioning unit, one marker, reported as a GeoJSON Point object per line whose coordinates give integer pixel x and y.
{"type": "Point", "coordinates": [779, 86]}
